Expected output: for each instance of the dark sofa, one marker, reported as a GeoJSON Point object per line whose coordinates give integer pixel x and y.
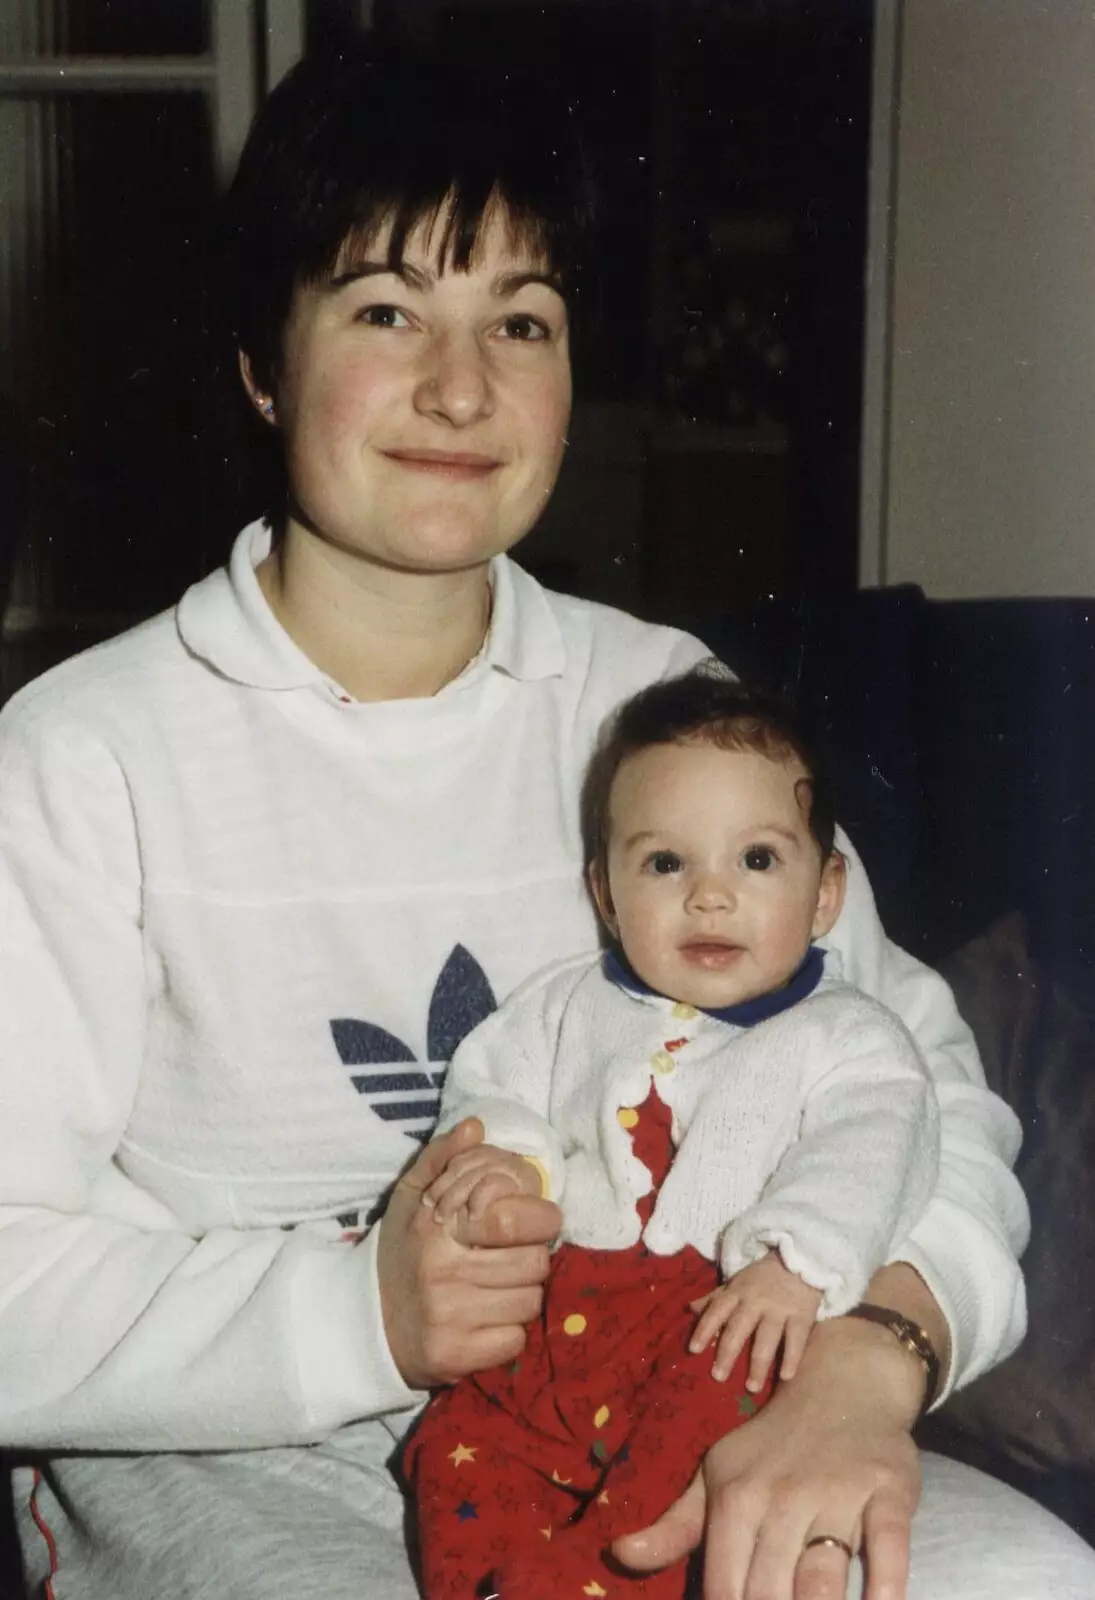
{"type": "Point", "coordinates": [961, 736]}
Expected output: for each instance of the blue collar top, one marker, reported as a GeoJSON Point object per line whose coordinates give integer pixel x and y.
{"type": "Point", "coordinates": [747, 1012]}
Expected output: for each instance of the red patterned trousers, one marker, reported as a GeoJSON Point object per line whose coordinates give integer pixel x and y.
{"type": "Point", "coordinates": [523, 1475]}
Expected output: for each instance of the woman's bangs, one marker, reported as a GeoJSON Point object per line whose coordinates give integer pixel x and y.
{"type": "Point", "coordinates": [454, 223]}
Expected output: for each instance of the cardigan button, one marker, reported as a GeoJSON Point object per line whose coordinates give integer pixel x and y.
{"type": "Point", "coordinates": [662, 1061]}
{"type": "Point", "coordinates": [684, 1012]}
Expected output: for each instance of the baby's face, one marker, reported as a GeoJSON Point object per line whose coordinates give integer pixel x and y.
{"type": "Point", "coordinates": [715, 882]}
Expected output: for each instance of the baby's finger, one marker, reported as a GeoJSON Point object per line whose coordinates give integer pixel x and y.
{"type": "Point", "coordinates": [765, 1344]}
{"type": "Point", "coordinates": [442, 1183]}
{"type": "Point", "coordinates": [735, 1337]}
{"type": "Point", "coordinates": [489, 1188]}
{"type": "Point", "coordinates": [455, 1197]}
{"type": "Point", "coordinates": [432, 1195]}
{"type": "Point", "coordinates": [718, 1309]}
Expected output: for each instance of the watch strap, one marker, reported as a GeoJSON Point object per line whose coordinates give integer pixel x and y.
{"type": "Point", "coordinates": [911, 1337]}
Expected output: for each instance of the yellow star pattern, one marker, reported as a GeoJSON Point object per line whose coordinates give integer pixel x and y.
{"type": "Point", "coordinates": [602, 1498]}
{"type": "Point", "coordinates": [546, 1532]}
{"type": "Point", "coordinates": [555, 1478]}
{"type": "Point", "coordinates": [462, 1453]}
{"type": "Point", "coordinates": [593, 1587]}
{"type": "Point", "coordinates": [601, 1417]}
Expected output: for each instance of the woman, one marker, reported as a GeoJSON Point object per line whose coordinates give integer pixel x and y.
{"type": "Point", "coordinates": [268, 858]}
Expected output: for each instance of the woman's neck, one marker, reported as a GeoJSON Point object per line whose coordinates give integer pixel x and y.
{"type": "Point", "coordinates": [378, 633]}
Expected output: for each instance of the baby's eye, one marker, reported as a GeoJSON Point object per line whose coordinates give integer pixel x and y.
{"type": "Point", "coordinates": [525, 328]}
{"type": "Point", "coordinates": [383, 317]}
{"type": "Point", "coordinates": [759, 858]}
{"type": "Point", "coordinates": [663, 863]}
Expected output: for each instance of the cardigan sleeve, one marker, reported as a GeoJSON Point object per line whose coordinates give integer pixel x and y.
{"type": "Point", "coordinates": [864, 1164]}
{"type": "Point", "coordinates": [967, 1242]}
{"type": "Point", "coordinates": [502, 1073]}
{"type": "Point", "coordinates": [119, 1329]}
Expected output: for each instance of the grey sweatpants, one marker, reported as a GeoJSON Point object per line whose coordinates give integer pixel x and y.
{"type": "Point", "coordinates": [327, 1524]}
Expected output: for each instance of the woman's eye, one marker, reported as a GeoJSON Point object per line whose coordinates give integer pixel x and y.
{"type": "Point", "coordinates": [526, 329]}
{"type": "Point", "coordinates": [663, 863]}
{"type": "Point", "coordinates": [382, 317]}
{"type": "Point", "coordinates": [759, 858]}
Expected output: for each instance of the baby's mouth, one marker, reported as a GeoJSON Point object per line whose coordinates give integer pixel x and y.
{"type": "Point", "coordinates": [715, 954]}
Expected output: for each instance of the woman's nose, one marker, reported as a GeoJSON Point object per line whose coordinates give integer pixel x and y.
{"type": "Point", "coordinates": [456, 384]}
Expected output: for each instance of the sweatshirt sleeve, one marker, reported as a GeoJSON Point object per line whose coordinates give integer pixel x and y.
{"type": "Point", "coordinates": [967, 1242]}
{"type": "Point", "coordinates": [118, 1329]}
{"type": "Point", "coordinates": [502, 1074]}
{"type": "Point", "coordinates": [862, 1169]}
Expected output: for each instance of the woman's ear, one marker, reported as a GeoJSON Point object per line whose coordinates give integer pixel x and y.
{"type": "Point", "coordinates": [602, 897]}
{"type": "Point", "coordinates": [262, 402]}
{"type": "Point", "coordinates": [830, 894]}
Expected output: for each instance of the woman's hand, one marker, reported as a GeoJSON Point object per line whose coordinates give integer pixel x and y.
{"type": "Point", "coordinates": [829, 1454]}
{"type": "Point", "coordinates": [476, 1178]}
{"type": "Point", "coordinates": [457, 1299]}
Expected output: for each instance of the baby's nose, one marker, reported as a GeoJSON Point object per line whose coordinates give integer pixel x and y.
{"type": "Point", "coordinates": [711, 891]}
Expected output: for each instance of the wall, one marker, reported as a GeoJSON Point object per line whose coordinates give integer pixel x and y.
{"type": "Point", "coordinates": [990, 481]}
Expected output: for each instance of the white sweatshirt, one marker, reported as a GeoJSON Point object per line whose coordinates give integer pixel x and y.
{"type": "Point", "coordinates": [244, 921]}
{"type": "Point", "coordinates": [814, 1132]}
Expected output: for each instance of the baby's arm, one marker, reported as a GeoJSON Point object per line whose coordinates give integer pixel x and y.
{"type": "Point", "coordinates": [764, 1302]}
{"type": "Point", "coordinates": [853, 1183]}
{"type": "Point", "coordinates": [502, 1074]}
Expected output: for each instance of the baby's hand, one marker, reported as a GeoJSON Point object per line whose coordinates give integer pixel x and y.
{"type": "Point", "coordinates": [763, 1300]}
{"type": "Point", "coordinates": [477, 1178]}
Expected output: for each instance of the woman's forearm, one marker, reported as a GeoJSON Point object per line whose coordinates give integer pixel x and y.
{"type": "Point", "coordinates": [901, 1288]}
{"type": "Point", "coordinates": [882, 1369]}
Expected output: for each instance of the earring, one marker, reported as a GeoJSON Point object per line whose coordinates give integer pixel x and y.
{"type": "Point", "coordinates": [267, 409]}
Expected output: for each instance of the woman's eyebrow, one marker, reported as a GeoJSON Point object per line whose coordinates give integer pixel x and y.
{"type": "Point", "coordinates": [415, 277]}
{"type": "Point", "coordinates": [503, 287]}
{"type": "Point", "coordinates": [510, 283]}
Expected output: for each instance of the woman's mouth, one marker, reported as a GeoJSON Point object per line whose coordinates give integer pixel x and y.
{"type": "Point", "coordinates": [465, 466]}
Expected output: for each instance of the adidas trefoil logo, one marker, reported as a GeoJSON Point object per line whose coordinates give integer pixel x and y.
{"type": "Point", "coordinates": [461, 998]}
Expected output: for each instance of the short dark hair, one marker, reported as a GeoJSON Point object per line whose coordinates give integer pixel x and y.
{"type": "Point", "coordinates": [702, 707]}
{"type": "Point", "coordinates": [382, 135]}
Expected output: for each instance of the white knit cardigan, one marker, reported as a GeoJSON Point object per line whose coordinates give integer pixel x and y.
{"type": "Point", "coordinates": [814, 1132]}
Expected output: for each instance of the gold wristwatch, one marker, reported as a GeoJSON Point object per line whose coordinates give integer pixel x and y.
{"type": "Point", "coordinates": [911, 1338]}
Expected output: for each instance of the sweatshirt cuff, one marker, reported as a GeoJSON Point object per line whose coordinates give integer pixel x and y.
{"type": "Point", "coordinates": [981, 1299]}
{"type": "Point", "coordinates": [346, 1369]}
{"type": "Point", "coordinates": [962, 1330]}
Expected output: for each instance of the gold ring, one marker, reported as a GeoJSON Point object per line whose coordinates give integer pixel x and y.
{"type": "Point", "coordinates": [831, 1542]}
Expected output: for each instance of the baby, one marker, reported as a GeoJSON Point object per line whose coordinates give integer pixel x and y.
{"type": "Point", "coordinates": [704, 1101]}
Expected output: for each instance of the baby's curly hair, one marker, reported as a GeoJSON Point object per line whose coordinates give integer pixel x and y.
{"type": "Point", "coordinates": [703, 707]}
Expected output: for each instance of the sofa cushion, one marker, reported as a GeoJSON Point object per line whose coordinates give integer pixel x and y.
{"type": "Point", "coordinates": [1033, 1418]}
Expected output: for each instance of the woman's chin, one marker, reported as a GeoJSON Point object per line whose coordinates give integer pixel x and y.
{"type": "Point", "coordinates": [446, 545]}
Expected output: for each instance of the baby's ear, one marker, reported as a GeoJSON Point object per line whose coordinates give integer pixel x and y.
{"type": "Point", "coordinates": [830, 895]}
{"type": "Point", "coordinates": [602, 897]}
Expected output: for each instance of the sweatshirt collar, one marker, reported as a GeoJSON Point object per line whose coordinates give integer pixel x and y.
{"type": "Point", "coordinates": [225, 620]}
{"type": "Point", "coordinates": [747, 1013]}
